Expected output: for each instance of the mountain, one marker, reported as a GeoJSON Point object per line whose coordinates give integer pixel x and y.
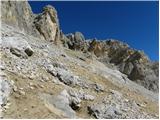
{"type": "Point", "coordinates": [47, 74]}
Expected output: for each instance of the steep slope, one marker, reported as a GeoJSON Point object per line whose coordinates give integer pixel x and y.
{"type": "Point", "coordinates": [39, 79]}
{"type": "Point", "coordinates": [134, 63]}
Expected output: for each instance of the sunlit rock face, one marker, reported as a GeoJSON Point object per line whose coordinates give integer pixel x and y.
{"type": "Point", "coordinates": [18, 14]}
{"type": "Point", "coordinates": [134, 63]}
{"type": "Point", "coordinates": [47, 24]}
{"type": "Point", "coordinates": [44, 25]}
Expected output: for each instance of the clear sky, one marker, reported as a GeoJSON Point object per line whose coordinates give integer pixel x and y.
{"type": "Point", "coordinates": [135, 23]}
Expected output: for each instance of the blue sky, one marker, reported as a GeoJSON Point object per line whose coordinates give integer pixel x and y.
{"type": "Point", "coordinates": [135, 23]}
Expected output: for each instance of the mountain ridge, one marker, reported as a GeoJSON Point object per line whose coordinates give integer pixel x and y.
{"type": "Point", "coordinates": [50, 71]}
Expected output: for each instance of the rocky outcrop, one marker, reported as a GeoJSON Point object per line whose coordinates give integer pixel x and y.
{"type": "Point", "coordinates": [75, 41]}
{"type": "Point", "coordinates": [44, 25]}
{"type": "Point", "coordinates": [18, 14]}
{"type": "Point", "coordinates": [47, 24]}
{"type": "Point", "coordinates": [134, 63]}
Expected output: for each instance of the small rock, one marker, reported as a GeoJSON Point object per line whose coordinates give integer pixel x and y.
{"type": "Point", "coordinates": [22, 92]}
{"type": "Point", "coordinates": [31, 84]}
{"type": "Point", "coordinates": [15, 89]}
{"type": "Point", "coordinates": [31, 87]}
{"type": "Point", "coordinates": [42, 86]}
{"type": "Point", "coordinates": [88, 97]}
{"type": "Point", "coordinates": [6, 106]}
{"type": "Point", "coordinates": [28, 51]}
{"type": "Point", "coordinates": [99, 87]}
{"type": "Point", "coordinates": [21, 88]}
{"type": "Point", "coordinates": [25, 109]}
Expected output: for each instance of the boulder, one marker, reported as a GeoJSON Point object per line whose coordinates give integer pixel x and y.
{"type": "Point", "coordinates": [59, 104]}
{"type": "Point", "coordinates": [5, 90]}
{"type": "Point", "coordinates": [18, 46]}
{"type": "Point", "coordinates": [77, 41]}
{"type": "Point", "coordinates": [67, 77]}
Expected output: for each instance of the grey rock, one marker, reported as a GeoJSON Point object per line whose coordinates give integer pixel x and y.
{"type": "Point", "coordinates": [17, 14]}
{"type": "Point", "coordinates": [61, 102]}
{"type": "Point", "coordinates": [67, 78]}
{"type": "Point", "coordinates": [28, 51]}
{"type": "Point", "coordinates": [18, 46]}
{"type": "Point", "coordinates": [134, 63]}
{"type": "Point", "coordinates": [98, 87]}
{"type": "Point", "coordinates": [17, 52]}
{"type": "Point", "coordinates": [77, 41]}
{"type": "Point", "coordinates": [5, 91]}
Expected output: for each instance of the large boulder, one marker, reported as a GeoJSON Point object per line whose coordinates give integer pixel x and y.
{"type": "Point", "coordinates": [59, 104]}
{"type": "Point", "coordinates": [17, 46]}
{"type": "Point", "coordinates": [77, 41]}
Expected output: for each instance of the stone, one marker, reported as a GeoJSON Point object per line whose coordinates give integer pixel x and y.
{"type": "Point", "coordinates": [76, 41]}
{"type": "Point", "coordinates": [98, 87]}
{"type": "Point", "coordinates": [67, 78]}
{"type": "Point", "coordinates": [5, 91]}
{"type": "Point", "coordinates": [28, 51]}
{"type": "Point", "coordinates": [22, 92]}
{"type": "Point", "coordinates": [88, 97]}
{"type": "Point", "coordinates": [61, 103]}
{"type": "Point", "coordinates": [16, 52]}
{"type": "Point", "coordinates": [15, 89]}
{"type": "Point", "coordinates": [49, 68]}
{"type": "Point", "coordinates": [18, 46]}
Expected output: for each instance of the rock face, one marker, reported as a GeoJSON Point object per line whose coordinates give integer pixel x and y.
{"type": "Point", "coordinates": [44, 25]}
{"type": "Point", "coordinates": [75, 41]}
{"type": "Point", "coordinates": [47, 24]}
{"type": "Point", "coordinates": [134, 63]}
{"type": "Point", "coordinates": [18, 14]}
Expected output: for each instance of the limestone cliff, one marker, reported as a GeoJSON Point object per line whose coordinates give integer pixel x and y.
{"type": "Point", "coordinates": [44, 25]}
